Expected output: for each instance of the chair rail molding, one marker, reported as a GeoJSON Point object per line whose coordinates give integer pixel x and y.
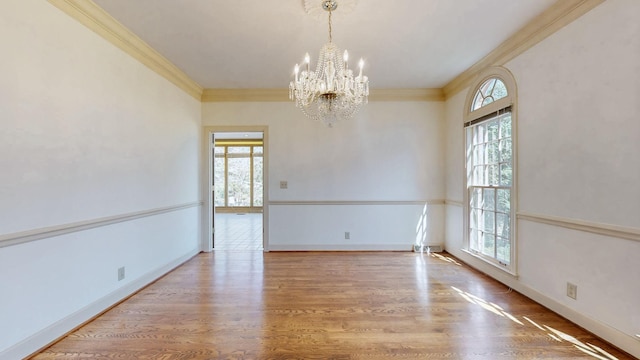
{"type": "Point", "coordinates": [358, 202]}
{"type": "Point", "coordinates": [616, 231]}
{"type": "Point", "coordinates": [57, 230]}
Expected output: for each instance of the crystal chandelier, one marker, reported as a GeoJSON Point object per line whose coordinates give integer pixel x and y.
{"type": "Point", "coordinates": [331, 92]}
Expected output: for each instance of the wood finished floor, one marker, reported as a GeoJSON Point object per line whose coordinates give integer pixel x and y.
{"type": "Point", "coordinates": [309, 305]}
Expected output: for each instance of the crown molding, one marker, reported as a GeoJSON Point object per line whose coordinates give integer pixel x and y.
{"type": "Point", "coordinates": [99, 21]}
{"type": "Point", "coordinates": [95, 18]}
{"type": "Point", "coordinates": [406, 95]}
{"type": "Point", "coordinates": [560, 14]}
{"type": "Point", "coordinates": [245, 95]}
{"type": "Point", "coordinates": [268, 95]}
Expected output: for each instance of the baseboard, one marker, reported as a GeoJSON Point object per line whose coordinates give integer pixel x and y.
{"type": "Point", "coordinates": [612, 335]}
{"type": "Point", "coordinates": [428, 248]}
{"type": "Point", "coordinates": [340, 247]}
{"type": "Point", "coordinates": [55, 331]}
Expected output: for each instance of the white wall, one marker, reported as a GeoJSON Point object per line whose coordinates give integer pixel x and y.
{"type": "Point", "coordinates": [454, 172]}
{"type": "Point", "coordinates": [388, 158]}
{"type": "Point", "coordinates": [578, 146]}
{"type": "Point", "coordinates": [87, 133]}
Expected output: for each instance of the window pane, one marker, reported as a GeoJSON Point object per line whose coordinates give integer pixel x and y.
{"type": "Point", "coordinates": [480, 218]}
{"type": "Point", "coordinates": [493, 152]}
{"type": "Point", "coordinates": [482, 180]}
{"type": "Point", "coordinates": [477, 175]}
{"type": "Point", "coordinates": [239, 182]}
{"type": "Point", "coordinates": [504, 200]}
{"type": "Point", "coordinates": [477, 101]}
{"type": "Point", "coordinates": [239, 149]}
{"type": "Point", "coordinates": [503, 225]}
{"type": "Point", "coordinates": [492, 130]}
{"type": "Point", "coordinates": [480, 241]}
{"type": "Point", "coordinates": [505, 127]}
{"type": "Point", "coordinates": [489, 245]}
{"type": "Point", "coordinates": [489, 222]}
{"type": "Point", "coordinates": [476, 195]}
{"type": "Point", "coordinates": [489, 199]}
{"type": "Point", "coordinates": [218, 182]}
{"type": "Point", "coordinates": [493, 175]}
{"type": "Point", "coordinates": [487, 87]}
{"type": "Point", "coordinates": [219, 150]}
{"type": "Point", "coordinates": [257, 180]}
{"type": "Point", "coordinates": [504, 250]}
{"type": "Point", "coordinates": [505, 174]}
{"type": "Point", "coordinates": [480, 157]}
{"type": "Point", "coordinates": [473, 219]}
{"type": "Point", "coordinates": [487, 101]}
{"type": "Point", "coordinates": [499, 90]}
{"type": "Point", "coordinates": [473, 240]}
{"type": "Point", "coordinates": [505, 150]}
{"type": "Point", "coordinates": [479, 134]}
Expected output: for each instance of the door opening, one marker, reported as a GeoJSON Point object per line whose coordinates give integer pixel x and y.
{"type": "Point", "coordinates": [237, 190]}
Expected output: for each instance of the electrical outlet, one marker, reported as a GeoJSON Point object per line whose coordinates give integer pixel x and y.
{"type": "Point", "coordinates": [347, 235]}
{"type": "Point", "coordinates": [284, 185]}
{"type": "Point", "coordinates": [120, 273]}
{"type": "Point", "coordinates": [572, 291]}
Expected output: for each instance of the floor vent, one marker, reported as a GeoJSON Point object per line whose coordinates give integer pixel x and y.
{"type": "Point", "coordinates": [427, 248]}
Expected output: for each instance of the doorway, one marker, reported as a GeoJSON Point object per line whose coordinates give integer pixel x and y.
{"type": "Point", "coordinates": [237, 176]}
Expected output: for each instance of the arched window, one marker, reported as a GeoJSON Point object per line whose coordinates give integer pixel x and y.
{"type": "Point", "coordinates": [491, 90]}
{"type": "Point", "coordinates": [489, 164]}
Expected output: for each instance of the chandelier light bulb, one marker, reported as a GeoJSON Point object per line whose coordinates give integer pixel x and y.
{"type": "Point", "coordinates": [307, 60]}
{"type": "Point", "coordinates": [346, 58]}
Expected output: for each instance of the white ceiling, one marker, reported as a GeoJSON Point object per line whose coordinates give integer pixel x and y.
{"type": "Point", "coordinates": [255, 43]}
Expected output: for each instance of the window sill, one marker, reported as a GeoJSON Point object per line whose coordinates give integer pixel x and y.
{"type": "Point", "coordinates": [505, 269]}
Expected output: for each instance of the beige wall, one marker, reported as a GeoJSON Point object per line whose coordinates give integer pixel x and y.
{"type": "Point", "coordinates": [578, 143]}
{"type": "Point", "coordinates": [88, 133]}
{"type": "Point", "coordinates": [391, 153]}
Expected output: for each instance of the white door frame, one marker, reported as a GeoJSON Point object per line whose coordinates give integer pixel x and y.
{"type": "Point", "coordinates": [207, 181]}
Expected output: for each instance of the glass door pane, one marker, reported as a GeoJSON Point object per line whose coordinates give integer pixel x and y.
{"type": "Point", "coordinates": [239, 181]}
{"type": "Point", "coordinates": [218, 177]}
{"type": "Point", "coordinates": [257, 180]}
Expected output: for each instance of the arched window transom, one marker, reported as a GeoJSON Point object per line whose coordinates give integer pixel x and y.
{"type": "Point", "coordinates": [490, 91]}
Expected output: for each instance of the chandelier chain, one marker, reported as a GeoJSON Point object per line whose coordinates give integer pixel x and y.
{"type": "Point", "coordinates": [330, 25]}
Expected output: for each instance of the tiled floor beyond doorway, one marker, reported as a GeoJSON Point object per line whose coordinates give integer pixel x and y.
{"type": "Point", "coordinates": [238, 232]}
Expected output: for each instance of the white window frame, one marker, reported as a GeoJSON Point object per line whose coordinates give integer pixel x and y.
{"type": "Point", "coordinates": [251, 155]}
{"type": "Point", "coordinates": [469, 116]}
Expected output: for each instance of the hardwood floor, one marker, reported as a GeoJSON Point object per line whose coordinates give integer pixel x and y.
{"type": "Point", "coordinates": [323, 305]}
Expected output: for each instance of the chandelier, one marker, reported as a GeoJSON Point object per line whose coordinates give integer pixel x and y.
{"type": "Point", "coordinates": [331, 92]}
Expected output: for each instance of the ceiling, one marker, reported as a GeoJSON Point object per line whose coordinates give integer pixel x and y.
{"type": "Point", "coordinates": [251, 44]}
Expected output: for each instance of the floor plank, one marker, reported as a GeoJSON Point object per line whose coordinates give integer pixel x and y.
{"type": "Point", "coordinates": [343, 305]}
